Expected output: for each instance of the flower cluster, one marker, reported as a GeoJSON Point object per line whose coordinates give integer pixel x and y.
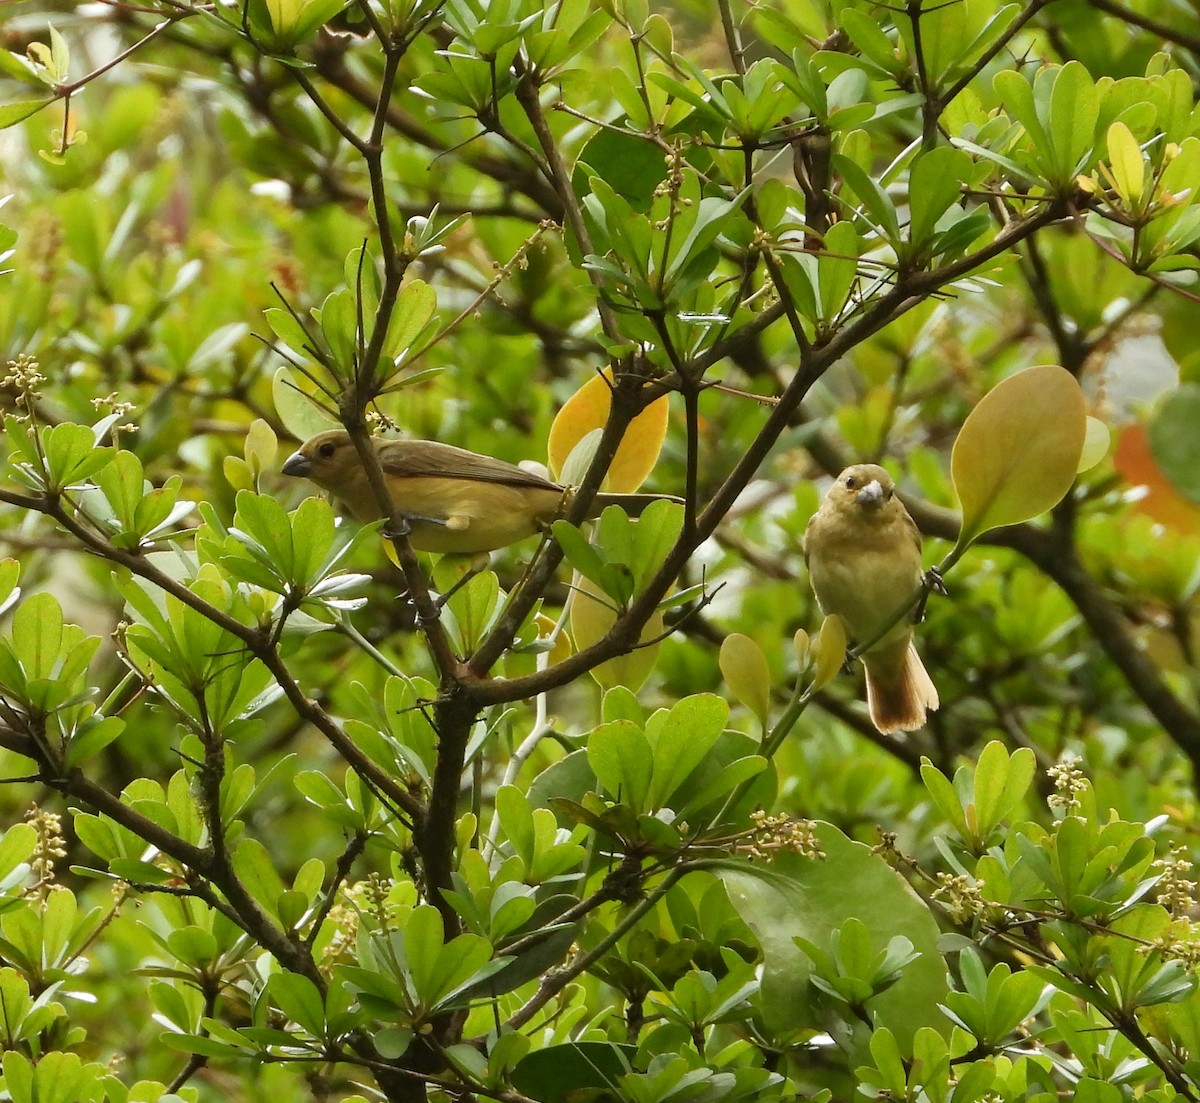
{"type": "Point", "coordinates": [772, 835]}
{"type": "Point", "coordinates": [1069, 780]}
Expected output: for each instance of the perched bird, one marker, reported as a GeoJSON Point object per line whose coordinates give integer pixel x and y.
{"type": "Point", "coordinates": [454, 500]}
{"type": "Point", "coordinates": [863, 552]}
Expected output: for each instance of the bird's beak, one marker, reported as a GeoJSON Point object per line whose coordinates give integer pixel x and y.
{"type": "Point", "coordinates": [871, 495]}
{"type": "Point", "coordinates": [297, 464]}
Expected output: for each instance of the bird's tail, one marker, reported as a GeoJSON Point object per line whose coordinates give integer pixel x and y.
{"type": "Point", "coordinates": [633, 504]}
{"type": "Point", "coordinates": [899, 690]}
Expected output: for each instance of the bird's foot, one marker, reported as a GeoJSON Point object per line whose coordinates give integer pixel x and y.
{"type": "Point", "coordinates": [398, 528]}
{"type": "Point", "coordinates": [405, 521]}
{"type": "Point", "coordinates": [424, 620]}
{"type": "Point", "coordinates": [931, 583]}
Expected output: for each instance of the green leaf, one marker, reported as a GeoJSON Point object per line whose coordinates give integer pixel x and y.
{"type": "Point", "coordinates": [37, 634]}
{"type": "Point", "coordinates": [192, 945]}
{"type": "Point", "coordinates": [561, 1073]}
{"type": "Point", "coordinates": [297, 997]}
{"type": "Point", "coordinates": [829, 651]}
{"type": "Point", "coordinates": [745, 670]}
{"type": "Point", "coordinates": [623, 762]}
{"type": "Point", "coordinates": [19, 110]}
{"type": "Point", "coordinates": [880, 210]}
{"type": "Point", "coordinates": [516, 818]}
{"type": "Point", "coordinates": [837, 269]}
{"type": "Point", "coordinates": [1017, 453]}
{"type": "Point", "coordinates": [934, 184]}
{"type": "Point", "coordinates": [630, 165]}
{"type": "Point", "coordinates": [946, 797]}
{"type": "Point", "coordinates": [680, 739]}
{"type": "Point", "coordinates": [579, 552]}
{"type": "Point", "coordinates": [16, 847]}
{"type": "Point", "coordinates": [414, 309]}
{"type": "Point", "coordinates": [795, 896]}
{"type": "Point", "coordinates": [289, 330]}
{"type": "Point", "coordinates": [1174, 442]}
{"type": "Point", "coordinates": [1001, 782]}
{"type": "Point", "coordinates": [253, 865]}
{"type": "Point", "coordinates": [1074, 105]}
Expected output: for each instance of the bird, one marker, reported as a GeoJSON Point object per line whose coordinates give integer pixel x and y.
{"type": "Point", "coordinates": [863, 553]}
{"type": "Point", "coordinates": [454, 500]}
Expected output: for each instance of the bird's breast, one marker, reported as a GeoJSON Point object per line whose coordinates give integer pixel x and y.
{"type": "Point", "coordinates": [864, 574]}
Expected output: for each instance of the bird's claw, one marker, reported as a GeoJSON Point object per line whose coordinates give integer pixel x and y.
{"type": "Point", "coordinates": [931, 583]}
{"type": "Point", "coordinates": [398, 530]}
{"type": "Point", "coordinates": [405, 521]}
{"type": "Point", "coordinates": [423, 621]}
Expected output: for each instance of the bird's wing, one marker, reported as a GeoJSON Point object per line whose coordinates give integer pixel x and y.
{"type": "Point", "coordinates": [809, 532]}
{"type": "Point", "coordinates": [418, 458]}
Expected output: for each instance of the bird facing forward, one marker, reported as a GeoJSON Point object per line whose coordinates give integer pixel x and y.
{"type": "Point", "coordinates": [454, 500]}
{"type": "Point", "coordinates": [863, 552]}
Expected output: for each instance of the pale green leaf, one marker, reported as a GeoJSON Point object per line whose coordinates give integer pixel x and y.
{"type": "Point", "coordinates": [1018, 451]}
{"type": "Point", "coordinates": [744, 668]}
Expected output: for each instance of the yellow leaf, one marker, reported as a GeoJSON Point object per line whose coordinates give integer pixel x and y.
{"type": "Point", "coordinates": [586, 411]}
{"type": "Point", "coordinates": [284, 14]}
{"type": "Point", "coordinates": [562, 642]}
{"type": "Point", "coordinates": [592, 615]}
{"type": "Point", "coordinates": [829, 651]}
{"type": "Point", "coordinates": [237, 473]}
{"type": "Point", "coordinates": [744, 668]}
{"type": "Point", "coordinates": [1125, 157]}
{"type": "Point", "coordinates": [1018, 451]}
{"type": "Point", "coordinates": [803, 646]}
{"type": "Point", "coordinates": [261, 447]}
{"type": "Point", "coordinates": [1096, 441]}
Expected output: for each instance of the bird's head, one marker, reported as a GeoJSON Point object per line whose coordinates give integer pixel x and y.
{"type": "Point", "coordinates": [865, 485]}
{"type": "Point", "coordinates": [328, 459]}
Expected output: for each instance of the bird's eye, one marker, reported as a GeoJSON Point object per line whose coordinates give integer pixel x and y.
{"type": "Point", "coordinates": [326, 450]}
{"type": "Point", "coordinates": [851, 482]}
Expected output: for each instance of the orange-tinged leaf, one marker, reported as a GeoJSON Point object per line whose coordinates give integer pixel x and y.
{"type": "Point", "coordinates": [587, 410]}
{"type": "Point", "coordinates": [1018, 451]}
{"type": "Point", "coordinates": [592, 615]}
{"type": "Point", "coordinates": [829, 651]}
{"type": "Point", "coordinates": [744, 668]}
{"type": "Point", "coordinates": [1160, 501]}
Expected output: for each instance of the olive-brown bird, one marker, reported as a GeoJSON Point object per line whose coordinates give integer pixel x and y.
{"type": "Point", "coordinates": [863, 552]}
{"type": "Point", "coordinates": [454, 500]}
